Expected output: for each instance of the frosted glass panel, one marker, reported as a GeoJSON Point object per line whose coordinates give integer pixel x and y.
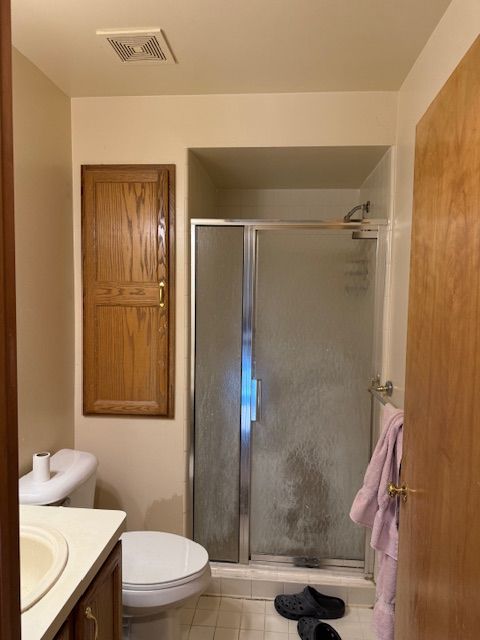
{"type": "Point", "coordinates": [218, 349]}
{"type": "Point", "coordinates": [313, 353]}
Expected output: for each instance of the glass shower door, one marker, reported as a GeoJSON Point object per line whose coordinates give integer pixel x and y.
{"type": "Point", "coordinates": [218, 368]}
{"type": "Point", "coordinates": [313, 334]}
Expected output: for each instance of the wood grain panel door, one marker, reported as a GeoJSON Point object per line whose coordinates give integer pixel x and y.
{"type": "Point", "coordinates": [439, 560]}
{"type": "Point", "coordinates": [128, 289]}
{"type": "Point", "coordinates": [98, 614]}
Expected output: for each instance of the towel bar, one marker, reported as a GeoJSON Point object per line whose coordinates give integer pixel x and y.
{"type": "Point", "coordinates": [381, 392]}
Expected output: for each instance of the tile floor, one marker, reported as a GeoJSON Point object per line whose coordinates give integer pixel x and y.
{"type": "Point", "coordinates": [222, 618]}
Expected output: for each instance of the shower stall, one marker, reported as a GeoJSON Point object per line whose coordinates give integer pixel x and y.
{"type": "Point", "coordinates": [286, 336]}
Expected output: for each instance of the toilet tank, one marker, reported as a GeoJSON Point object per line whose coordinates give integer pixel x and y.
{"type": "Point", "coordinates": [72, 481]}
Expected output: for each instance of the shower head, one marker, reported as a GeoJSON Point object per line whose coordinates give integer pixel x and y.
{"type": "Point", "coordinates": [365, 208]}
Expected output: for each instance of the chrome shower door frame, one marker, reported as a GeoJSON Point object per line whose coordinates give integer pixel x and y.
{"type": "Point", "coordinates": [249, 272]}
{"type": "Point", "coordinates": [251, 227]}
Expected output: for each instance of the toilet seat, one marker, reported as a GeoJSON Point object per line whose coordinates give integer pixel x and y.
{"type": "Point", "coordinates": [154, 561]}
{"type": "Point", "coordinates": [161, 585]}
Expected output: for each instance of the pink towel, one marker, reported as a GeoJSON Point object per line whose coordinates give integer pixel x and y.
{"type": "Point", "coordinates": [373, 508]}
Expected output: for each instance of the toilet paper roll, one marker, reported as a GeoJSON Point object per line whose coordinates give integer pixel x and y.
{"type": "Point", "coordinates": [41, 466]}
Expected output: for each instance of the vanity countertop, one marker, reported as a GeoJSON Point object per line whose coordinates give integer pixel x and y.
{"type": "Point", "coordinates": [91, 535]}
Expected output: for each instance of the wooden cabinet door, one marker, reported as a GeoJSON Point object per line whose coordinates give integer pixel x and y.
{"type": "Point", "coordinates": [99, 611]}
{"type": "Point", "coordinates": [66, 632]}
{"type": "Point", "coordinates": [128, 289]}
{"type": "Point", "coordinates": [438, 562]}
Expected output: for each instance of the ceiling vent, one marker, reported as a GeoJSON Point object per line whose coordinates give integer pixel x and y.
{"type": "Point", "coordinates": [138, 45]}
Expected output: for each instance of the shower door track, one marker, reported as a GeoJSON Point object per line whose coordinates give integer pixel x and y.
{"type": "Point", "coordinates": [250, 227]}
{"type": "Point", "coordinates": [306, 562]}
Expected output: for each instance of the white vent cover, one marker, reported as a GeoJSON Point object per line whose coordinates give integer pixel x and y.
{"type": "Point", "coordinates": [138, 45]}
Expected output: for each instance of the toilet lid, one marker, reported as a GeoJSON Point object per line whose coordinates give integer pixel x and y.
{"type": "Point", "coordinates": [155, 560]}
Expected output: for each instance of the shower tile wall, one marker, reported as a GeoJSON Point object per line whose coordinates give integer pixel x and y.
{"type": "Point", "coordinates": [378, 188]}
{"type": "Point", "coordinates": [285, 204]}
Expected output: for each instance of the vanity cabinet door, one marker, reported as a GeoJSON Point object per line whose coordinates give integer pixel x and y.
{"type": "Point", "coordinates": [66, 632]}
{"type": "Point", "coordinates": [98, 614]}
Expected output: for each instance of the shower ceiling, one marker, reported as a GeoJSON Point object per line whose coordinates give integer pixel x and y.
{"type": "Point", "coordinates": [290, 168]}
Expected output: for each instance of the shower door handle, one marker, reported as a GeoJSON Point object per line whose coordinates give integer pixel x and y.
{"type": "Point", "coordinates": [256, 400]}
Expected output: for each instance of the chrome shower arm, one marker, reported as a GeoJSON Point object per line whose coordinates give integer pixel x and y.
{"type": "Point", "coordinates": [365, 208]}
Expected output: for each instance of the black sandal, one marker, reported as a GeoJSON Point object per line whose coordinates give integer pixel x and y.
{"type": "Point", "coordinates": [309, 602]}
{"type": "Point", "coordinates": [315, 629]}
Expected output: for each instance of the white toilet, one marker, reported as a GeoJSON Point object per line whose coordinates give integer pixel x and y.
{"type": "Point", "coordinates": [160, 570]}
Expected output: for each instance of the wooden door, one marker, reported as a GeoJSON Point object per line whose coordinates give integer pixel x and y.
{"type": "Point", "coordinates": [98, 614]}
{"type": "Point", "coordinates": [9, 561]}
{"type": "Point", "coordinates": [439, 559]}
{"type": "Point", "coordinates": [128, 290]}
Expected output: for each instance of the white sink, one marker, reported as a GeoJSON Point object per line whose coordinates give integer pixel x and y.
{"type": "Point", "coordinates": [43, 556]}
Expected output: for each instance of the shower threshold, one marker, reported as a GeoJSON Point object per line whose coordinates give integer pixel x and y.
{"type": "Point", "coordinates": [307, 561]}
{"type": "Point", "coordinates": [265, 580]}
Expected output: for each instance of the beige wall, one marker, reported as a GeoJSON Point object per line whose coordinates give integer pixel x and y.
{"type": "Point", "coordinates": [455, 33]}
{"type": "Point", "coordinates": [44, 264]}
{"type": "Point", "coordinates": [143, 461]}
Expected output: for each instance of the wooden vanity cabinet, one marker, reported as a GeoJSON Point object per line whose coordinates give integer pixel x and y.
{"type": "Point", "coordinates": [98, 613]}
{"type": "Point", "coordinates": [66, 632]}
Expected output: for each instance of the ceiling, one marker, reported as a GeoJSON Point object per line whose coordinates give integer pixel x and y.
{"type": "Point", "coordinates": [229, 46]}
{"type": "Point", "coordinates": [290, 168]}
